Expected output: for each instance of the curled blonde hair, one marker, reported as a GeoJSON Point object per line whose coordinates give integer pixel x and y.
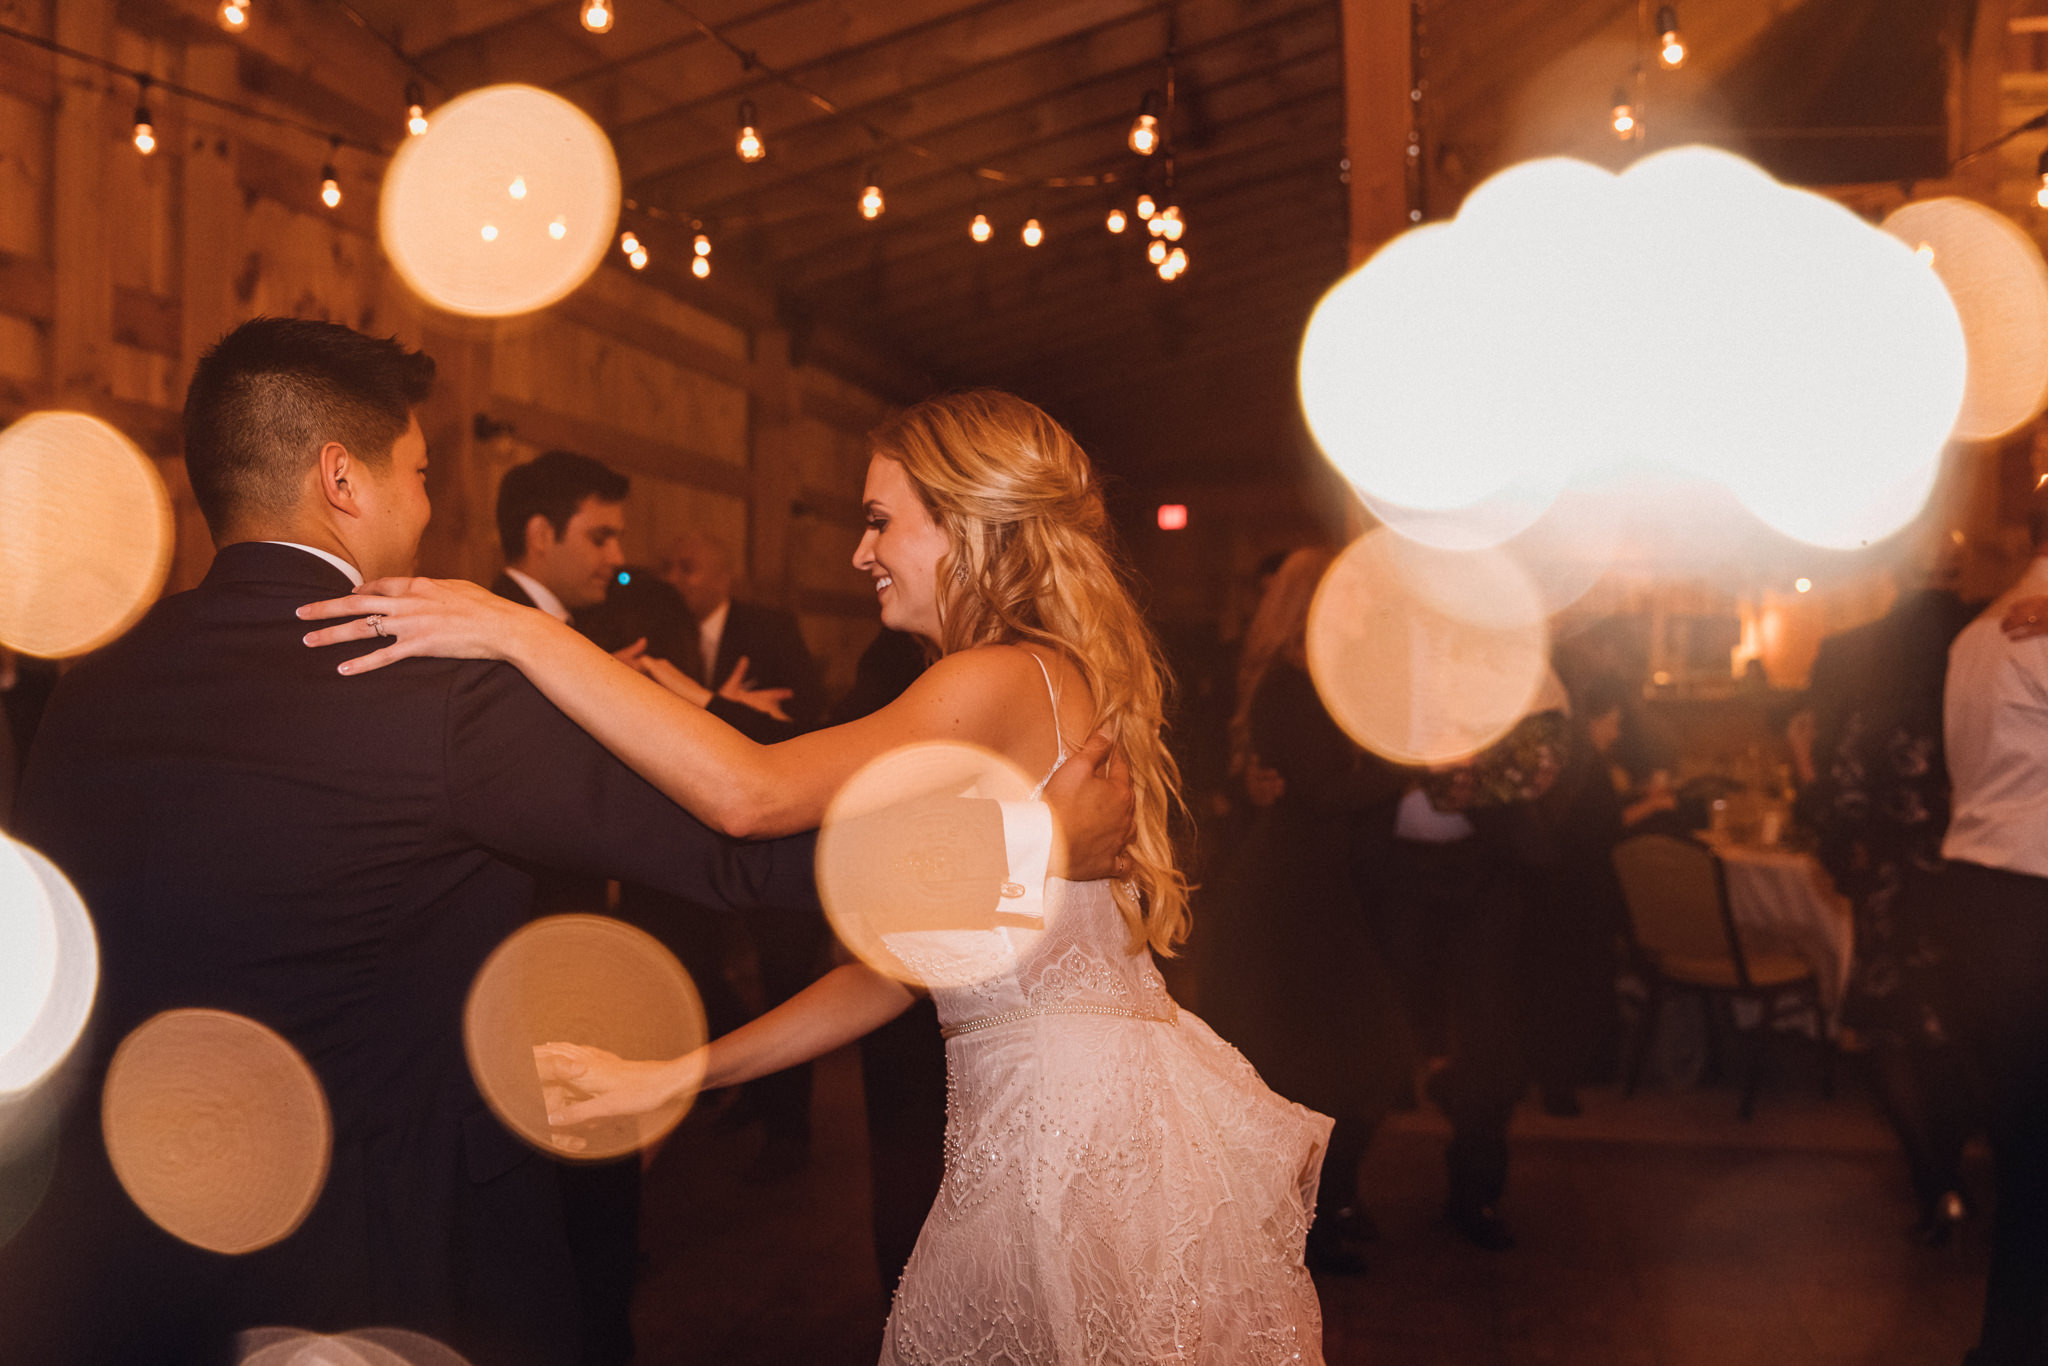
{"type": "Point", "coordinates": [1032, 558]}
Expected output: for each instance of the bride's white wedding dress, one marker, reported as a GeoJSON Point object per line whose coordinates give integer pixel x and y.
{"type": "Point", "coordinates": [1120, 1186]}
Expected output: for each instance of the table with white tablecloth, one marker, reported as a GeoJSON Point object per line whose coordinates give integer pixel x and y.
{"type": "Point", "coordinates": [1784, 902]}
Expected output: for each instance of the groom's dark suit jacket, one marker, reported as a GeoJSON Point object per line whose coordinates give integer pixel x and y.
{"type": "Point", "coordinates": [333, 857]}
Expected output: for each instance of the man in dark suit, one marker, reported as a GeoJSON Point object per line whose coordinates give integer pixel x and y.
{"type": "Point", "coordinates": [744, 646]}
{"type": "Point", "coordinates": [560, 517]}
{"type": "Point", "coordinates": [334, 858]}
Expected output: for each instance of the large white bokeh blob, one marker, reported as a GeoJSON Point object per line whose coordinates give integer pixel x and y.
{"type": "Point", "coordinates": [1999, 283]}
{"type": "Point", "coordinates": [30, 1055]}
{"type": "Point", "coordinates": [28, 950]}
{"type": "Point", "coordinates": [1693, 313]}
{"type": "Point", "coordinates": [504, 205]}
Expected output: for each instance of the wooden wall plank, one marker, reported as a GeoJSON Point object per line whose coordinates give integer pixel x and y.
{"type": "Point", "coordinates": [617, 446]}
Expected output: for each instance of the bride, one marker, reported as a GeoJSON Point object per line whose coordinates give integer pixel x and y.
{"type": "Point", "coordinates": [1120, 1186]}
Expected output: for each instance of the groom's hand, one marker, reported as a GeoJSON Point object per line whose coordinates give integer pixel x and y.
{"type": "Point", "coordinates": [1094, 812]}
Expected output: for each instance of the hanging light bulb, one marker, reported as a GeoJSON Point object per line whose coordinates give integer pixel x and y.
{"type": "Point", "coordinates": [1156, 253]}
{"type": "Point", "coordinates": [871, 205]}
{"type": "Point", "coordinates": [628, 243]}
{"type": "Point", "coordinates": [1144, 137]}
{"type": "Point", "coordinates": [1624, 115]}
{"type": "Point", "coordinates": [1174, 226]}
{"type": "Point", "coordinates": [1117, 222]}
{"type": "Point", "coordinates": [330, 183]}
{"type": "Point", "coordinates": [979, 229]}
{"type": "Point", "coordinates": [145, 127]}
{"type": "Point", "coordinates": [1146, 208]}
{"type": "Point", "coordinates": [233, 15]}
{"type": "Point", "coordinates": [490, 231]}
{"type": "Point", "coordinates": [700, 266]}
{"type": "Point", "coordinates": [702, 245]}
{"type": "Point", "coordinates": [597, 15]}
{"type": "Point", "coordinates": [638, 259]}
{"type": "Point", "coordinates": [1033, 234]}
{"type": "Point", "coordinates": [415, 109]}
{"type": "Point", "coordinates": [558, 229]}
{"type": "Point", "coordinates": [749, 144]}
{"type": "Point", "coordinates": [1175, 265]}
{"type": "Point", "coordinates": [1670, 47]}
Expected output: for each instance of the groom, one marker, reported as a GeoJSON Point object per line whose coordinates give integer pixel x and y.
{"type": "Point", "coordinates": [334, 858]}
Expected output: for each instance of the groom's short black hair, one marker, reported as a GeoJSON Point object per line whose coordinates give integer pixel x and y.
{"type": "Point", "coordinates": [272, 392]}
{"type": "Point", "coordinates": [552, 485]}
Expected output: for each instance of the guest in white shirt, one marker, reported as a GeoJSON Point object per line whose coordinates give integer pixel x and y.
{"type": "Point", "coordinates": [1995, 726]}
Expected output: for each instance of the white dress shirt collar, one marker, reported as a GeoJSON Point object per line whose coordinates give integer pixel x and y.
{"type": "Point", "coordinates": [710, 633]}
{"type": "Point", "coordinates": [542, 596]}
{"type": "Point", "coordinates": [355, 576]}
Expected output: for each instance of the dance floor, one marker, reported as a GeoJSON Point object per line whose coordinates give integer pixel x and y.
{"type": "Point", "coordinates": [1658, 1231]}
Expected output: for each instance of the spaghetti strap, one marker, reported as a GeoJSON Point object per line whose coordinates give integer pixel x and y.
{"type": "Point", "coordinates": [1054, 694]}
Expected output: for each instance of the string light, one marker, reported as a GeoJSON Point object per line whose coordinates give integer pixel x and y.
{"type": "Point", "coordinates": [233, 15]}
{"type": "Point", "coordinates": [628, 243]}
{"type": "Point", "coordinates": [1670, 47]}
{"type": "Point", "coordinates": [638, 259]}
{"type": "Point", "coordinates": [2041, 169]}
{"type": "Point", "coordinates": [700, 266]}
{"type": "Point", "coordinates": [597, 16]}
{"type": "Point", "coordinates": [1624, 115]}
{"type": "Point", "coordinates": [1175, 265]}
{"type": "Point", "coordinates": [145, 127]}
{"type": "Point", "coordinates": [1156, 253]}
{"type": "Point", "coordinates": [1033, 234]}
{"type": "Point", "coordinates": [490, 232]}
{"type": "Point", "coordinates": [517, 189]}
{"type": "Point", "coordinates": [979, 229]}
{"type": "Point", "coordinates": [1174, 226]}
{"type": "Point", "coordinates": [415, 109]}
{"type": "Point", "coordinates": [330, 183]}
{"type": "Point", "coordinates": [871, 204]}
{"type": "Point", "coordinates": [1146, 208]}
{"type": "Point", "coordinates": [558, 229]}
{"type": "Point", "coordinates": [1144, 137]}
{"type": "Point", "coordinates": [1117, 222]}
{"type": "Point", "coordinates": [749, 144]}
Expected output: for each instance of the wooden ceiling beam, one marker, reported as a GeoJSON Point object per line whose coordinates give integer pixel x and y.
{"type": "Point", "coordinates": [938, 262]}
{"type": "Point", "coordinates": [921, 88]}
{"type": "Point", "coordinates": [942, 206]}
{"type": "Point", "coordinates": [425, 30]}
{"type": "Point", "coordinates": [1082, 128]}
{"type": "Point", "coordinates": [925, 41]}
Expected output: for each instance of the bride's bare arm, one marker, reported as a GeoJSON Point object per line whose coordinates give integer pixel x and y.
{"type": "Point", "coordinates": [722, 777]}
{"type": "Point", "coordinates": [833, 1011]}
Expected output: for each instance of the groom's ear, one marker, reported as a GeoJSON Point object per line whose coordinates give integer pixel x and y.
{"type": "Point", "coordinates": [540, 533]}
{"type": "Point", "coordinates": [338, 470]}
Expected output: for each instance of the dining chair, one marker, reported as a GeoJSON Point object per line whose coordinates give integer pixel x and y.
{"type": "Point", "coordinates": [1683, 938]}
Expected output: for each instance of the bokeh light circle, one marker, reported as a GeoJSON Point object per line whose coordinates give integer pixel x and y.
{"type": "Point", "coordinates": [1691, 315]}
{"type": "Point", "coordinates": [582, 979]}
{"type": "Point", "coordinates": [217, 1129]}
{"type": "Point", "coordinates": [1423, 655]}
{"type": "Point", "coordinates": [29, 1055]}
{"type": "Point", "coordinates": [912, 878]}
{"type": "Point", "coordinates": [1998, 281]}
{"type": "Point", "coordinates": [28, 951]}
{"type": "Point", "coordinates": [85, 534]}
{"type": "Point", "coordinates": [361, 1347]}
{"type": "Point", "coordinates": [504, 205]}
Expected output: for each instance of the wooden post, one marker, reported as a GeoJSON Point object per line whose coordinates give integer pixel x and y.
{"type": "Point", "coordinates": [82, 321]}
{"type": "Point", "coordinates": [774, 477]}
{"type": "Point", "coordinates": [1378, 113]}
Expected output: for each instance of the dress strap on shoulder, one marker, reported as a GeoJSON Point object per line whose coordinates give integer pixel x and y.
{"type": "Point", "coordinates": [1054, 694]}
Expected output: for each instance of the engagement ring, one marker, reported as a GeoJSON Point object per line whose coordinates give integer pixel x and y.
{"type": "Point", "coordinates": [376, 620]}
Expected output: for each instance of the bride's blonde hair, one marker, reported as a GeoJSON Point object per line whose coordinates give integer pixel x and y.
{"type": "Point", "coordinates": [1032, 558]}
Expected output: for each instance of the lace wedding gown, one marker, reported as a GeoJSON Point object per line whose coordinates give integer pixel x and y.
{"type": "Point", "coordinates": [1120, 1186]}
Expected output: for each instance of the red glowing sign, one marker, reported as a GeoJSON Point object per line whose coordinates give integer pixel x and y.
{"type": "Point", "coordinates": [1172, 516]}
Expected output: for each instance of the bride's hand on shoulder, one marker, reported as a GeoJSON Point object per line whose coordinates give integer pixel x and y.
{"type": "Point", "coordinates": [1095, 811]}
{"type": "Point", "coordinates": [581, 1084]}
{"type": "Point", "coordinates": [449, 618]}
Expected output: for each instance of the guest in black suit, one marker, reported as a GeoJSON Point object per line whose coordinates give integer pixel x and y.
{"type": "Point", "coordinates": [743, 645]}
{"type": "Point", "coordinates": [560, 517]}
{"type": "Point", "coordinates": [334, 859]}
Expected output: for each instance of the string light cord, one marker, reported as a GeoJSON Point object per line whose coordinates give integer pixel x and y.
{"type": "Point", "coordinates": [2032, 125]}
{"type": "Point", "coordinates": [184, 92]}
